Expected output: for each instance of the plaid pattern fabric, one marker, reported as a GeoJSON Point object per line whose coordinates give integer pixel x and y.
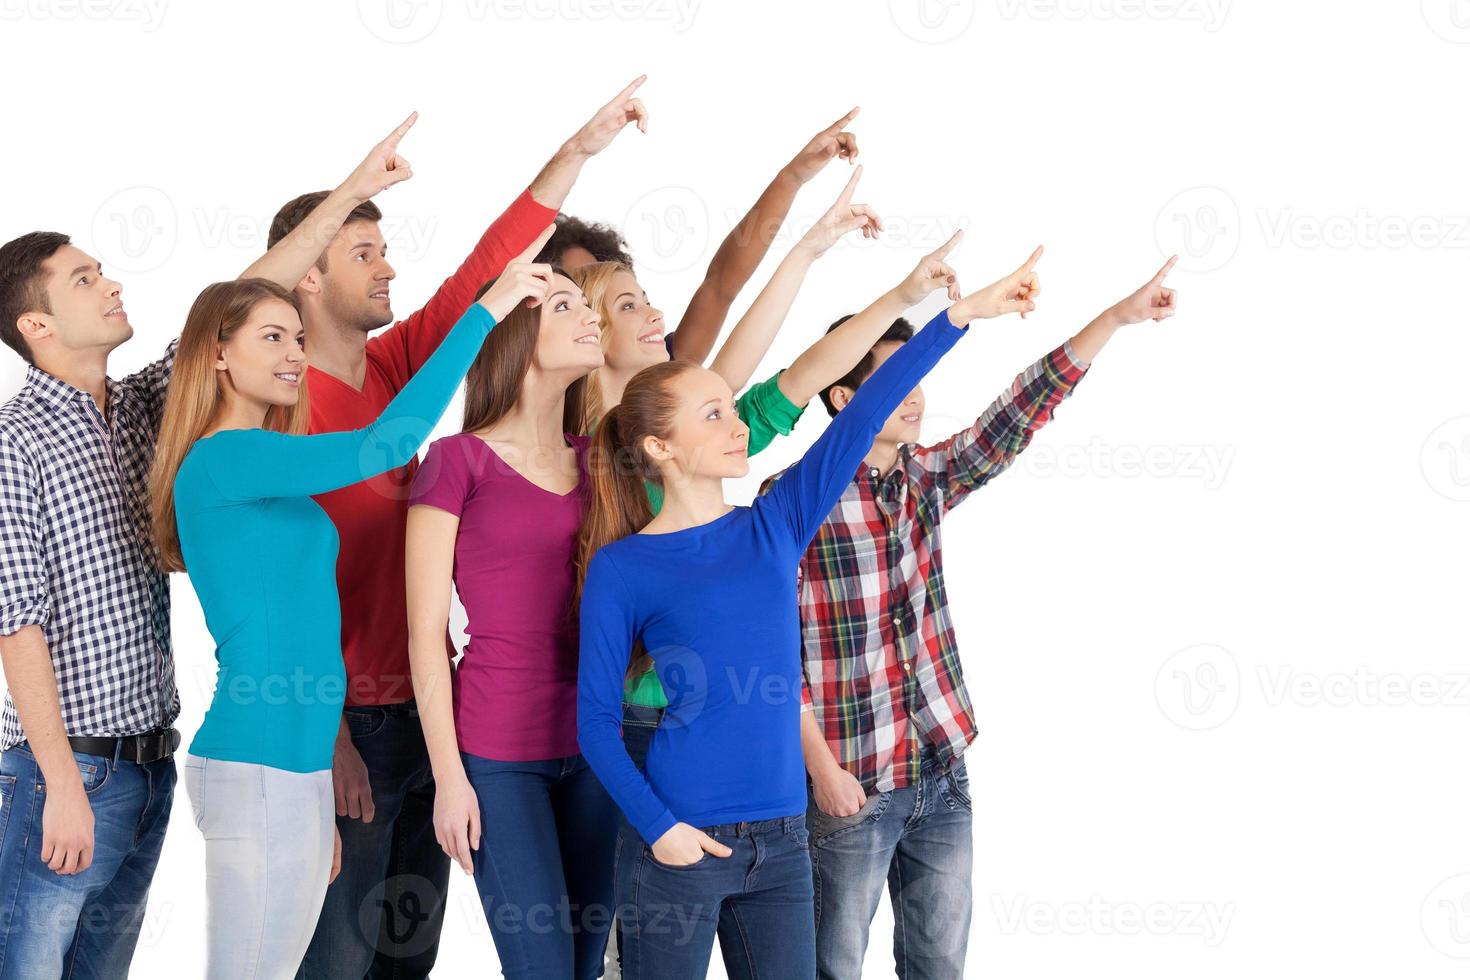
{"type": "Point", "coordinates": [881, 668]}
{"type": "Point", "coordinates": [77, 548]}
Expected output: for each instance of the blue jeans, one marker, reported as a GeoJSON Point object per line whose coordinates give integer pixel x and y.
{"type": "Point", "coordinates": [83, 925]}
{"type": "Point", "coordinates": [544, 865]}
{"type": "Point", "coordinates": [639, 723]}
{"type": "Point", "coordinates": [917, 840]}
{"type": "Point", "coordinates": [758, 900]}
{"type": "Point", "coordinates": [383, 914]}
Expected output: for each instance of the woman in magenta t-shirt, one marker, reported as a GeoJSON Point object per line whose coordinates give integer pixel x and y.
{"type": "Point", "coordinates": [496, 509]}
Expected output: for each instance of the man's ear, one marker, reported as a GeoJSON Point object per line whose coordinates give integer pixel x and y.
{"type": "Point", "coordinates": [311, 283]}
{"type": "Point", "coordinates": [840, 395]}
{"type": "Point", "coordinates": [33, 327]}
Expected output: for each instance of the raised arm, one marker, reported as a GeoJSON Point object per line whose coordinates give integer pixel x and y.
{"type": "Point", "coordinates": [258, 463]}
{"type": "Point", "coordinates": [742, 353]}
{"type": "Point", "coordinates": [407, 345]}
{"type": "Point", "coordinates": [981, 452]}
{"type": "Point", "coordinates": [973, 457]}
{"type": "Point", "coordinates": [291, 257]}
{"type": "Point", "coordinates": [1151, 301]}
{"type": "Point", "coordinates": [840, 349]}
{"type": "Point", "coordinates": [741, 252]}
{"type": "Point", "coordinates": [807, 492]}
{"type": "Point", "coordinates": [554, 182]}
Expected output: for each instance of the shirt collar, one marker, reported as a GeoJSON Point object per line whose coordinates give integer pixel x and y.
{"type": "Point", "coordinates": [864, 469]}
{"type": "Point", "coordinates": [56, 393]}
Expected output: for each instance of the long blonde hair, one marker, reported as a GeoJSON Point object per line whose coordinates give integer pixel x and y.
{"type": "Point", "coordinates": [594, 280]}
{"type": "Point", "coordinates": [194, 398]}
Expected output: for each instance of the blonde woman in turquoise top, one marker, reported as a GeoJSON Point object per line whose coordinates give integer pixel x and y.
{"type": "Point", "coordinates": [262, 558]}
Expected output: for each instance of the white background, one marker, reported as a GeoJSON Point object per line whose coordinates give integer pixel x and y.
{"type": "Point", "coordinates": [1213, 621]}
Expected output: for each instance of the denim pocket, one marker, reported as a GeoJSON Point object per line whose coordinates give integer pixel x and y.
{"type": "Point", "coordinates": [364, 722]}
{"type": "Point", "coordinates": [648, 856]}
{"type": "Point", "coordinates": [7, 793]}
{"type": "Point", "coordinates": [955, 787]}
{"type": "Point", "coordinates": [824, 826]}
{"type": "Point", "coordinates": [95, 770]}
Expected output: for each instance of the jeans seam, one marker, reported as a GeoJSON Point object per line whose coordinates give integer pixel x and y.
{"type": "Point", "coordinates": [633, 901]}
{"type": "Point", "coordinates": [900, 930]}
{"type": "Point", "coordinates": [744, 940]}
{"type": "Point", "coordinates": [14, 898]}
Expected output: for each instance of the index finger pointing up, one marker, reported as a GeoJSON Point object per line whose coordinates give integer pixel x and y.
{"type": "Point", "coordinates": [402, 130]}
{"type": "Point", "coordinates": [631, 88]}
{"type": "Point", "coordinates": [846, 196]}
{"type": "Point", "coordinates": [1159, 276]}
{"type": "Point", "coordinates": [948, 246]}
{"type": "Point", "coordinates": [535, 247]}
{"type": "Point", "coordinates": [839, 124]}
{"type": "Point", "coordinates": [1030, 263]}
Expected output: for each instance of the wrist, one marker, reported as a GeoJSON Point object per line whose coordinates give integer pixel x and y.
{"type": "Point", "coordinates": [806, 252]}
{"type": "Point", "coordinates": [789, 177]}
{"type": "Point", "coordinates": [346, 196]}
{"type": "Point", "coordinates": [1111, 319]}
{"type": "Point", "coordinates": [573, 150]}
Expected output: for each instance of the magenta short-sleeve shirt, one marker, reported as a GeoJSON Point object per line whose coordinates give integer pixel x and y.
{"type": "Point", "coordinates": [515, 690]}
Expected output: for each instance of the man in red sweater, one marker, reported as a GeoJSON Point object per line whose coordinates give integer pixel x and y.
{"type": "Point", "coordinates": [384, 911]}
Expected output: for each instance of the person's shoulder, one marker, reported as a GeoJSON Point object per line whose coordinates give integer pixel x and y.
{"type": "Point", "coordinates": [18, 435]}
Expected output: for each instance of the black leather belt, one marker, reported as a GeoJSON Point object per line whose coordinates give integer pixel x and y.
{"type": "Point", "coordinates": [144, 748]}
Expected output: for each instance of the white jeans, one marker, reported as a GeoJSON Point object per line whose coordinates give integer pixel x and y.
{"type": "Point", "coordinates": [267, 856]}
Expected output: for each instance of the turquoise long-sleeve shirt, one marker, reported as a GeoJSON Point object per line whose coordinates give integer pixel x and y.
{"type": "Point", "coordinates": [262, 556]}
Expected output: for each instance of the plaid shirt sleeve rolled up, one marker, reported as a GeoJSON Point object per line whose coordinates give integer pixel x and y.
{"type": "Point", "coordinates": [881, 667]}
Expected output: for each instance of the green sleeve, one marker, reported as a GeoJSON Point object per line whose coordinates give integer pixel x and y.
{"type": "Point", "coordinates": [768, 412]}
{"type": "Point", "coordinates": [645, 690]}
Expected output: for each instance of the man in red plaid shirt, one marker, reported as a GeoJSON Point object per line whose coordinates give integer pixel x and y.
{"type": "Point", "coordinates": [886, 717]}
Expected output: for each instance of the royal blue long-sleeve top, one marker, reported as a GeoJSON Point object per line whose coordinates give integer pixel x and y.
{"type": "Point", "coordinates": [262, 556]}
{"type": "Point", "coordinates": [716, 607]}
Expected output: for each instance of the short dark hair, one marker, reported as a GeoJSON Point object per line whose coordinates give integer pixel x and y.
{"type": "Point", "coordinates": [899, 331]}
{"type": "Point", "coordinates": [604, 241]}
{"type": "Point", "coordinates": [23, 283]}
{"type": "Point", "coordinates": [294, 211]}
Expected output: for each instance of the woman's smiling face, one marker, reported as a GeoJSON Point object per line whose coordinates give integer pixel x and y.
{"type": "Point", "coordinates": [633, 331]}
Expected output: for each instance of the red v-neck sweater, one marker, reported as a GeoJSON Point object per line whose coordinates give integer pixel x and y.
{"type": "Point", "coordinates": [370, 516]}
